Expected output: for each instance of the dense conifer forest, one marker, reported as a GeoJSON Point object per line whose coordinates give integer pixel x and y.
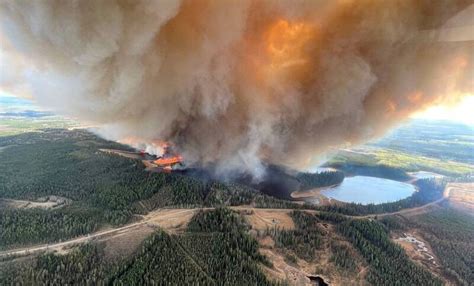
{"type": "Point", "coordinates": [322, 179]}
{"type": "Point", "coordinates": [225, 252]}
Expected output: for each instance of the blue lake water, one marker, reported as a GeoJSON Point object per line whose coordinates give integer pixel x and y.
{"type": "Point", "coordinates": [367, 190]}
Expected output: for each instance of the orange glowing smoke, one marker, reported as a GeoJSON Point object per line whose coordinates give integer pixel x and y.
{"type": "Point", "coordinates": [287, 43]}
{"type": "Point", "coordinates": [415, 97]}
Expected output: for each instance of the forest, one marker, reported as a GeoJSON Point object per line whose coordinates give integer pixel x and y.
{"type": "Point", "coordinates": [20, 227]}
{"type": "Point", "coordinates": [342, 257]}
{"type": "Point", "coordinates": [389, 264]}
{"type": "Point", "coordinates": [450, 234]}
{"type": "Point", "coordinates": [321, 179]}
{"type": "Point", "coordinates": [225, 252]}
{"type": "Point", "coordinates": [104, 189]}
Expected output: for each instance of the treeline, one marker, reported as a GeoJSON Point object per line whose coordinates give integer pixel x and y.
{"type": "Point", "coordinates": [380, 171]}
{"type": "Point", "coordinates": [304, 240]}
{"type": "Point", "coordinates": [429, 190]}
{"type": "Point", "coordinates": [215, 250]}
{"type": "Point", "coordinates": [389, 265]}
{"type": "Point", "coordinates": [322, 179]}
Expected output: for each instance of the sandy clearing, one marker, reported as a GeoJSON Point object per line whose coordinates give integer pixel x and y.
{"type": "Point", "coordinates": [462, 194]}
{"type": "Point", "coordinates": [262, 219]}
{"type": "Point", "coordinates": [46, 203]}
{"type": "Point", "coordinates": [172, 220]}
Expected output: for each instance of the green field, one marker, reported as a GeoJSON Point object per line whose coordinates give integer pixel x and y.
{"type": "Point", "coordinates": [401, 160]}
{"type": "Point", "coordinates": [16, 125]}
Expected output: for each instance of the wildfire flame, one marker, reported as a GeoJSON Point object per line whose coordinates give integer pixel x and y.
{"type": "Point", "coordinates": [168, 161]}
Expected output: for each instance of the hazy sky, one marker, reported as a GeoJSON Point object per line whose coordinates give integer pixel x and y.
{"type": "Point", "coordinates": [461, 112]}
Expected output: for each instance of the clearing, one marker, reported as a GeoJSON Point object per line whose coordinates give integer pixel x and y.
{"type": "Point", "coordinates": [49, 202]}
{"type": "Point", "coordinates": [462, 194]}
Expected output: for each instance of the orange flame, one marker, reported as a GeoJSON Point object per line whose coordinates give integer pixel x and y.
{"type": "Point", "coordinates": [168, 161]}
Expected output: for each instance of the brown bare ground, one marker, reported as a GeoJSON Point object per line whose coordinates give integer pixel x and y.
{"type": "Point", "coordinates": [48, 203]}
{"type": "Point", "coordinates": [261, 219]}
{"type": "Point", "coordinates": [282, 271]}
{"type": "Point", "coordinates": [266, 241]}
{"type": "Point", "coordinates": [171, 220]}
{"type": "Point", "coordinates": [124, 244]}
{"type": "Point", "coordinates": [461, 194]}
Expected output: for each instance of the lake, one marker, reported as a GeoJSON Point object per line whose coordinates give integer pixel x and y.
{"type": "Point", "coordinates": [367, 190]}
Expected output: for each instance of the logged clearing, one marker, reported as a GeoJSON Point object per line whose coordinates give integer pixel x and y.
{"type": "Point", "coordinates": [50, 202]}
{"type": "Point", "coordinates": [461, 193]}
{"type": "Point", "coordinates": [262, 219]}
{"type": "Point", "coordinates": [125, 243]}
{"type": "Point", "coordinates": [171, 220]}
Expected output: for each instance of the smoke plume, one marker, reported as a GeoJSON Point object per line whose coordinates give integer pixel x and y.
{"type": "Point", "coordinates": [236, 83]}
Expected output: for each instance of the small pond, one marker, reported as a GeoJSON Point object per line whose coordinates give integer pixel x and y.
{"type": "Point", "coordinates": [369, 190]}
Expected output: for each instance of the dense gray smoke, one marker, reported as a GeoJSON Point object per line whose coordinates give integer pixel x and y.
{"type": "Point", "coordinates": [236, 83]}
